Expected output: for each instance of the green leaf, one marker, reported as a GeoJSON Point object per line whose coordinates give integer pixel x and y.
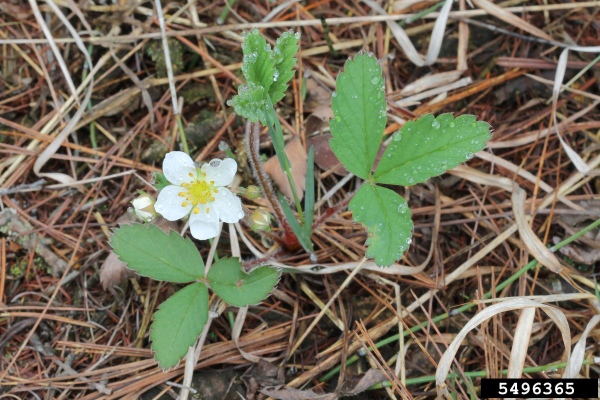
{"type": "Point", "coordinates": [178, 323]}
{"type": "Point", "coordinates": [285, 49]}
{"type": "Point", "coordinates": [387, 217]}
{"type": "Point", "coordinates": [359, 109]}
{"type": "Point", "coordinates": [259, 64]}
{"type": "Point", "coordinates": [309, 194]}
{"type": "Point", "coordinates": [249, 102]}
{"type": "Point", "coordinates": [160, 181]}
{"type": "Point", "coordinates": [259, 70]}
{"type": "Point", "coordinates": [153, 253]}
{"type": "Point", "coordinates": [296, 227]}
{"type": "Point", "coordinates": [236, 287]}
{"type": "Point", "coordinates": [429, 147]}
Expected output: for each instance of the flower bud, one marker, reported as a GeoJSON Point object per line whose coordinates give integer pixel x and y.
{"type": "Point", "coordinates": [254, 192]}
{"type": "Point", "coordinates": [144, 207]}
{"type": "Point", "coordinates": [261, 220]}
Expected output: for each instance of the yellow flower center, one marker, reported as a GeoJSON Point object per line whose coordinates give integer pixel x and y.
{"type": "Point", "coordinates": [198, 192]}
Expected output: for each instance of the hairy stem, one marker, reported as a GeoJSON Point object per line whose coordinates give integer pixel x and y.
{"type": "Point", "coordinates": [252, 143]}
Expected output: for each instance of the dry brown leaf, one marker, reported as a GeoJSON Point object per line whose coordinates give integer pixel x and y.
{"type": "Point", "coordinates": [579, 253]}
{"type": "Point", "coordinates": [316, 95]}
{"type": "Point", "coordinates": [576, 361]}
{"type": "Point", "coordinates": [520, 345]}
{"type": "Point", "coordinates": [530, 239]}
{"type": "Point", "coordinates": [372, 377]}
{"type": "Point", "coordinates": [512, 19]}
{"type": "Point", "coordinates": [318, 120]}
{"type": "Point", "coordinates": [297, 156]}
{"type": "Point", "coordinates": [324, 156]}
{"type": "Point", "coordinates": [430, 81]}
{"type": "Point", "coordinates": [445, 363]}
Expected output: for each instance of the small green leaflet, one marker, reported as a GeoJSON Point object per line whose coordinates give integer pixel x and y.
{"type": "Point", "coordinates": [160, 181]}
{"type": "Point", "coordinates": [387, 217]}
{"type": "Point", "coordinates": [259, 64]}
{"type": "Point", "coordinates": [153, 253]}
{"type": "Point", "coordinates": [360, 115]}
{"type": "Point", "coordinates": [178, 323]}
{"type": "Point", "coordinates": [285, 49]}
{"type": "Point", "coordinates": [236, 287]}
{"type": "Point", "coordinates": [429, 147]}
{"type": "Point", "coordinates": [267, 72]}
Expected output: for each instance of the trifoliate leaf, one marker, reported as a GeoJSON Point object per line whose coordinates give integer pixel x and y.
{"type": "Point", "coordinates": [259, 64]}
{"type": "Point", "coordinates": [160, 181]}
{"type": "Point", "coordinates": [360, 114]}
{"type": "Point", "coordinates": [153, 253]}
{"type": "Point", "coordinates": [429, 147]}
{"type": "Point", "coordinates": [285, 49]}
{"type": "Point", "coordinates": [387, 217]}
{"type": "Point", "coordinates": [236, 287]}
{"type": "Point", "coordinates": [178, 323]}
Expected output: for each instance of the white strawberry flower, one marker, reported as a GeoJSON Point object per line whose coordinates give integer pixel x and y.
{"type": "Point", "coordinates": [199, 193]}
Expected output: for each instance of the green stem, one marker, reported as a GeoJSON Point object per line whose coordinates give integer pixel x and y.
{"type": "Point", "coordinates": [225, 12]}
{"type": "Point", "coordinates": [422, 14]}
{"type": "Point", "coordinates": [481, 374]}
{"type": "Point", "coordinates": [231, 319]}
{"type": "Point", "coordinates": [468, 306]}
{"type": "Point", "coordinates": [182, 134]}
{"type": "Point", "coordinates": [288, 172]}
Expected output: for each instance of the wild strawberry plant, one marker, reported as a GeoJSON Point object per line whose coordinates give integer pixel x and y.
{"type": "Point", "coordinates": [201, 194]}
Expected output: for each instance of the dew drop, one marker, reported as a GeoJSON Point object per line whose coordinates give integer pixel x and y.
{"type": "Point", "coordinates": [375, 80]}
{"type": "Point", "coordinates": [469, 156]}
{"type": "Point", "coordinates": [410, 179]}
{"type": "Point", "coordinates": [402, 208]}
{"type": "Point", "coordinates": [452, 124]}
{"type": "Point", "coordinates": [334, 94]}
{"type": "Point", "coordinates": [337, 118]}
{"type": "Point", "coordinates": [397, 136]}
{"type": "Point", "coordinates": [408, 240]}
{"type": "Point", "coordinates": [229, 102]}
{"type": "Point", "coordinates": [130, 209]}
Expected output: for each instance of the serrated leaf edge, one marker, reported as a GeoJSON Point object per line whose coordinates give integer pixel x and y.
{"type": "Point", "coordinates": [196, 278]}
{"type": "Point", "coordinates": [150, 332]}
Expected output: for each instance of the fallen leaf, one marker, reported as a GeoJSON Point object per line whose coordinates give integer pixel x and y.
{"type": "Point", "coordinates": [353, 387]}
{"type": "Point", "coordinates": [580, 254]}
{"type": "Point", "coordinates": [297, 156]}
{"type": "Point", "coordinates": [324, 156]}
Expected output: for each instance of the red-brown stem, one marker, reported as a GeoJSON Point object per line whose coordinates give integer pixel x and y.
{"type": "Point", "coordinates": [266, 259]}
{"type": "Point", "coordinates": [252, 144]}
{"type": "Point", "coordinates": [333, 210]}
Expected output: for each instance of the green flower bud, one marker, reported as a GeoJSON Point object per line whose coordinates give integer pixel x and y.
{"type": "Point", "coordinates": [261, 220]}
{"type": "Point", "coordinates": [143, 207]}
{"type": "Point", "coordinates": [254, 192]}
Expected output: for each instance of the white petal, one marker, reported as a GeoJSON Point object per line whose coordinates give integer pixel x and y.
{"type": "Point", "coordinates": [177, 167]}
{"type": "Point", "coordinates": [229, 206]}
{"type": "Point", "coordinates": [205, 225]}
{"type": "Point", "coordinates": [222, 174]}
{"type": "Point", "coordinates": [168, 203]}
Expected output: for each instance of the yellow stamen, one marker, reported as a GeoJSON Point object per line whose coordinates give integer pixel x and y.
{"type": "Point", "coordinates": [216, 191]}
{"type": "Point", "coordinates": [204, 174]}
{"type": "Point", "coordinates": [194, 203]}
{"type": "Point", "coordinates": [181, 194]}
{"type": "Point", "coordinates": [188, 198]}
{"type": "Point", "coordinates": [184, 204]}
{"type": "Point", "coordinates": [212, 182]}
{"type": "Point", "coordinates": [191, 175]}
{"type": "Point", "coordinates": [212, 199]}
{"type": "Point", "coordinates": [184, 184]}
{"type": "Point", "coordinates": [207, 210]}
{"type": "Point", "coordinates": [196, 210]}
